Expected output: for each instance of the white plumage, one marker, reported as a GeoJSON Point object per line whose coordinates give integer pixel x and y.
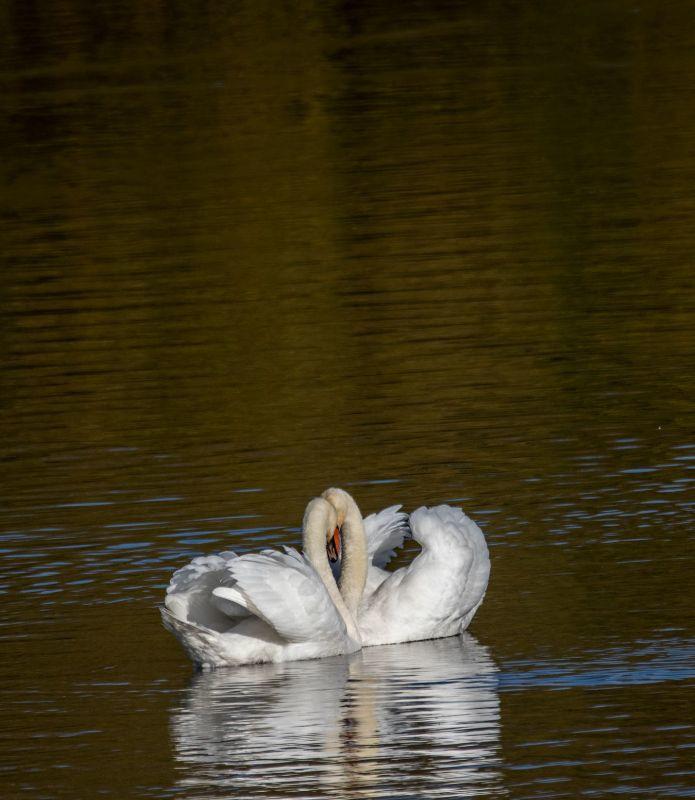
{"type": "Point", "coordinates": [229, 610]}
{"type": "Point", "coordinates": [438, 593]}
{"type": "Point", "coordinates": [283, 606]}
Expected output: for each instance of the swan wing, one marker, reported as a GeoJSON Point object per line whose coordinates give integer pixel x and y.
{"type": "Point", "coordinates": [385, 531]}
{"type": "Point", "coordinates": [286, 592]}
{"type": "Point", "coordinates": [452, 546]}
{"type": "Point", "coordinates": [440, 590]}
{"type": "Point", "coordinates": [447, 532]}
{"type": "Point", "coordinates": [189, 594]}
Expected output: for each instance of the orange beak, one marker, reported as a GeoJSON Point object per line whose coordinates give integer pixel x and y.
{"type": "Point", "coordinates": [333, 546]}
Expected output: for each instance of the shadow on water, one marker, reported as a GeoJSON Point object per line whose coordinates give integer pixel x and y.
{"type": "Point", "coordinates": [419, 719]}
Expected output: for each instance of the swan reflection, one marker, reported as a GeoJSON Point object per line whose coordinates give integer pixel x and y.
{"type": "Point", "coordinates": [419, 718]}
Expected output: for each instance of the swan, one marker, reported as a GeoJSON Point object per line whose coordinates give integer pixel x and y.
{"type": "Point", "coordinates": [229, 610]}
{"type": "Point", "coordinates": [438, 593]}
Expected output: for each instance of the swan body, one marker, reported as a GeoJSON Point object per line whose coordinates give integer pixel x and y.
{"type": "Point", "coordinates": [438, 593]}
{"type": "Point", "coordinates": [229, 610]}
{"type": "Point", "coordinates": [272, 606]}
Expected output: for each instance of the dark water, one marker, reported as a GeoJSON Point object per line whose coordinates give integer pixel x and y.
{"type": "Point", "coordinates": [429, 252]}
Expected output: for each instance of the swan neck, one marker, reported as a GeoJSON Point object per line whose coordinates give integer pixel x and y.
{"type": "Point", "coordinates": [318, 519]}
{"type": "Point", "coordinates": [353, 571]}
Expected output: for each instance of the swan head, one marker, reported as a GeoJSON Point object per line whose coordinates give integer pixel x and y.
{"type": "Point", "coordinates": [338, 501]}
{"type": "Point", "coordinates": [350, 548]}
{"type": "Point", "coordinates": [322, 515]}
{"type": "Point", "coordinates": [341, 501]}
{"type": "Point", "coordinates": [343, 504]}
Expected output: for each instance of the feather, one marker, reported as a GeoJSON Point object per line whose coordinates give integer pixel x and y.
{"type": "Point", "coordinates": [385, 532]}
{"type": "Point", "coordinates": [286, 592]}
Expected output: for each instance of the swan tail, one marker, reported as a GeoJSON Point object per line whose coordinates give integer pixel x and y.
{"type": "Point", "coordinates": [201, 644]}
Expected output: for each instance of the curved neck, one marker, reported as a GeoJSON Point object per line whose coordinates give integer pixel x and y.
{"type": "Point", "coordinates": [318, 520]}
{"type": "Point", "coordinates": [353, 568]}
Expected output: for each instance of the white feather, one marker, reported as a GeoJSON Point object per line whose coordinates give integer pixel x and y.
{"type": "Point", "coordinates": [285, 591]}
{"type": "Point", "coordinates": [385, 531]}
{"type": "Point", "coordinates": [229, 610]}
{"type": "Point", "coordinates": [439, 592]}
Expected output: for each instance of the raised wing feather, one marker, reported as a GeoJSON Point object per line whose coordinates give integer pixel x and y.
{"type": "Point", "coordinates": [451, 537]}
{"type": "Point", "coordinates": [446, 526]}
{"type": "Point", "coordinates": [285, 591]}
{"type": "Point", "coordinates": [385, 531]}
{"type": "Point", "coordinates": [189, 594]}
{"type": "Point", "coordinates": [440, 590]}
{"type": "Point", "coordinates": [189, 577]}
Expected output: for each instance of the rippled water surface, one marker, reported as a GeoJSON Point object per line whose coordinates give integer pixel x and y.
{"type": "Point", "coordinates": [430, 252]}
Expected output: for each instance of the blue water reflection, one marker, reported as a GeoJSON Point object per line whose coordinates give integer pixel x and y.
{"type": "Point", "coordinates": [644, 663]}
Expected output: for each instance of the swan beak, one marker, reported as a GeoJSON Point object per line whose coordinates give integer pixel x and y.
{"type": "Point", "coordinates": [333, 546]}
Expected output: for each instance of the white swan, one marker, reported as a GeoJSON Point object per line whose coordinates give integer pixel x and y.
{"type": "Point", "coordinates": [228, 610]}
{"type": "Point", "coordinates": [438, 593]}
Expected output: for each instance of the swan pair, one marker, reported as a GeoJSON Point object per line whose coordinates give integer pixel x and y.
{"type": "Point", "coordinates": [228, 610]}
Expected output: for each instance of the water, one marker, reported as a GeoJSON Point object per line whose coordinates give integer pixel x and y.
{"type": "Point", "coordinates": [428, 252]}
{"type": "Point", "coordinates": [417, 718]}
